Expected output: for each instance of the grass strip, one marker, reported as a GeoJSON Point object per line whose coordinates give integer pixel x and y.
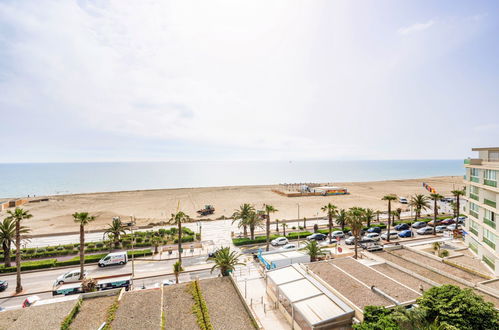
{"type": "Point", "coordinates": [200, 309]}
{"type": "Point", "coordinates": [71, 316]}
{"type": "Point", "coordinates": [111, 314]}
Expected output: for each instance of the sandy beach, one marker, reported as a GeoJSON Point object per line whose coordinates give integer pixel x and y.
{"type": "Point", "coordinates": [149, 206]}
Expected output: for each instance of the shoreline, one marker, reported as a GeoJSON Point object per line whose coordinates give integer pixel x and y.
{"type": "Point", "coordinates": [221, 187]}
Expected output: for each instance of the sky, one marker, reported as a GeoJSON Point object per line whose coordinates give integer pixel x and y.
{"type": "Point", "coordinates": [95, 80]}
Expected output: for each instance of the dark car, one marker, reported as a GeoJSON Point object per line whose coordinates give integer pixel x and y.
{"type": "Point", "coordinates": [374, 230]}
{"type": "Point", "coordinates": [447, 222]}
{"type": "Point", "coordinates": [419, 224]}
{"type": "Point", "coordinates": [317, 237]}
{"type": "Point", "coordinates": [432, 223]}
{"type": "Point", "coordinates": [402, 226]}
{"type": "Point", "coordinates": [3, 285]}
{"type": "Point", "coordinates": [406, 233]}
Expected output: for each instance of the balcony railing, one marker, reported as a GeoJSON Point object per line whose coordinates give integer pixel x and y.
{"type": "Point", "coordinates": [475, 179]}
{"type": "Point", "coordinates": [467, 161]}
{"type": "Point", "coordinates": [473, 248]}
{"type": "Point", "coordinates": [490, 183]}
{"type": "Point", "coordinates": [489, 202]}
{"type": "Point", "coordinates": [474, 214]}
{"type": "Point", "coordinates": [474, 231]}
{"type": "Point", "coordinates": [489, 243]}
{"type": "Point", "coordinates": [475, 197]}
{"type": "Point", "coordinates": [489, 262]}
{"type": "Point", "coordinates": [490, 223]}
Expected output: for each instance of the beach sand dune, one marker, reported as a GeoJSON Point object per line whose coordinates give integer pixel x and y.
{"type": "Point", "coordinates": [157, 205]}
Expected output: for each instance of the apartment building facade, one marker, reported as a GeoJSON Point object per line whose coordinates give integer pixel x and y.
{"type": "Point", "coordinates": [482, 195]}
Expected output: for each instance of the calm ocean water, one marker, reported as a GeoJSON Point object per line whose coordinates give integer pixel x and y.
{"type": "Point", "coordinates": [63, 178]}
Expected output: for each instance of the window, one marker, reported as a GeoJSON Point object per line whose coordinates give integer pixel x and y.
{"type": "Point", "coordinates": [474, 210]}
{"type": "Point", "coordinates": [489, 238]}
{"type": "Point", "coordinates": [474, 227]}
{"type": "Point", "coordinates": [474, 192]}
{"type": "Point", "coordinates": [490, 175]}
{"type": "Point", "coordinates": [489, 218]}
{"type": "Point", "coordinates": [475, 172]}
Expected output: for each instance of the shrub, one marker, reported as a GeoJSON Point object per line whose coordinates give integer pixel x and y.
{"type": "Point", "coordinates": [50, 248]}
{"type": "Point", "coordinates": [185, 239]}
{"type": "Point", "coordinates": [99, 245]}
{"type": "Point", "coordinates": [139, 239]}
{"type": "Point", "coordinates": [187, 231]}
{"type": "Point", "coordinates": [30, 265]}
{"type": "Point", "coordinates": [294, 227]}
{"type": "Point", "coordinates": [200, 309]}
{"type": "Point", "coordinates": [65, 325]}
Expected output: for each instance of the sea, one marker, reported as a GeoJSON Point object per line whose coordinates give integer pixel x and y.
{"type": "Point", "coordinates": [39, 179]}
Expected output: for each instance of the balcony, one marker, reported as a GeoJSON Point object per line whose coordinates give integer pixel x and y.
{"type": "Point", "coordinates": [489, 202]}
{"type": "Point", "coordinates": [473, 248]}
{"type": "Point", "coordinates": [475, 197]}
{"type": "Point", "coordinates": [474, 214]}
{"type": "Point", "coordinates": [490, 223]}
{"type": "Point", "coordinates": [489, 262]}
{"type": "Point", "coordinates": [489, 243]}
{"type": "Point", "coordinates": [473, 161]}
{"type": "Point", "coordinates": [474, 231]}
{"type": "Point", "coordinates": [490, 183]}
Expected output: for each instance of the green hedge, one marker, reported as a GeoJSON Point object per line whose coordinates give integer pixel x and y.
{"type": "Point", "coordinates": [30, 265]}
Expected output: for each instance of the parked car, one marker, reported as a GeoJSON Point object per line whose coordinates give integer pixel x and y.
{"type": "Point", "coordinates": [403, 200]}
{"type": "Point", "coordinates": [402, 226]}
{"type": "Point", "coordinates": [451, 227]}
{"type": "Point", "coordinates": [440, 229]}
{"type": "Point", "coordinates": [71, 276]}
{"type": "Point", "coordinates": [290, 246]}
{"type": "Point", "coordinates": [461, 220]}
{"type": "Point", "coordinates": [3, 285]}
{"type": "Point", "coordinates": [432, 223]}
{"type": "Point", "coordinates": [371, 246]}
{"type": "Point", "coordinates": [351, 240]}
{"type": "Point", "coordinates": [317, 237]}
{"type": "Point", "coordinates": [279, 241]}
{"type": "Point", "coordinates": [393, 235]}
{"type": "Point", "coordinates": [373, 236]}
{"type": "Point", "coordinates": [116, 258]}
{"type": "Point", "coordinates": [338, 233]}
{"type": "Point", "coordinates": [447, 222]}
{"type": "Point", "coordinates": [425, 231]}
{"type": "Point", "coordinates": [418, 224]}
{"type": "Point", "coordinates": [362, 233]}
{"type": "Point", "coordinates": [406, 233]}
{"type": "Point", "coordinates": [168, 282]}
{"type": "Point", "coordinates": [374, 230]}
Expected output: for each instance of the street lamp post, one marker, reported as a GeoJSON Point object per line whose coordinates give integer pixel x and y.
{"type": "Point", "coordinates": [298, 204]}
{"type": "Point", "coordinates": [130, 226]}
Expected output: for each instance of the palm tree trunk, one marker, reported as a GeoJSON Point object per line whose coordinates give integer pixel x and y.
{"type": "Point", "coordinates": [368, 223]}
{"type": "Point", "coordinates": [252, 232]}
{"type": "Point", "coordinates": [6, 252]}
{"type": "Point", "coordinates": [176, 277]}
{"type": "Point", "coordinates": [356, 243]}
{"type": "Point", "coordinates": [82, 249]}
{"type": "Point", "coordinates": [277, 226]}
{"type": "Point", "coordinates": [457, 212]}
{"type": "Point", "coordinates": [268, 231]}
{"type": "Point", "coordinates": [179, 242]}
{"type": "Point", "coordinates": [435, 212]}
{"type": "Point", "coordinates": [304, 223]}
{"type": "Point", "coordinates": [389, 217]}
{"type": "Point", "coordinates": [343, 226]}
{"type": "Point", "coordinates": [19, 287]}
{"type": "Point", "coordinates": [330, 225]}
{"type": "Point", "coordinates": [284, 229]}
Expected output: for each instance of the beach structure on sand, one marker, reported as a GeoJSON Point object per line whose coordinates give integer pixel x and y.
{"type": "Point", "coordinates": [311, 190]}
{"type": "Point", "coordinates": [482, 194]}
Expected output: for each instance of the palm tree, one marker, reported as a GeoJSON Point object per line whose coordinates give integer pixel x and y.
{"type": "Point", "coordinates": [177, 219]}
{"type": "Point", "coordinates": [398, 212]}
{"type": "Point", "coordinates": [177, 269]}
{"type": "Point", "coordinates": [268, 209]}
{"type": "Point", "coordinates": [436, 246]}
{"type": "Point", "coordinates": [7, 238]}
{"type": "Point", "coordinates": [18, 215]}
{"type": "Point", "coordinates": [284, 225]}
{"type": "Point", "coordinates": [253, 220]}
{"type": "Point", "coordinates": [435, 197]}
{"type": "Point", "coordinates": [331, 211]}
{"type": "Point", "coordinates": [277, 225]}
{"type": "Point", "coordinates": [378, 212]}
{"type": "Point", "coordinates": [313, 249]}
{"type": "Point", "coordinates": [226, 260]}
{"type": "Point", "coordinates": [389, 199]}
{"type": "Point", "coordinates": [156, 242]}
{"type": "Point", "coordinates": [420, 203]}
{"type": "Point", "coordinates": [355, 219]}
{"type": "Point", "coordinates": [83, 219]}
{"type": "Point", "coordinates": [242, 215]}
{"type": "Point", "coordinates": [341, 218]}
{"type": "Point", "coordinates": [368, 216]}
{"type": "Point", "coordinates": [114, 231]}
{"type": "Point", "coordinates": [457, 194]}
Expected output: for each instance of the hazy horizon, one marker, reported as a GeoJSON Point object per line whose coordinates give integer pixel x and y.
{"type": "Point", "coordinates": [106, 81]}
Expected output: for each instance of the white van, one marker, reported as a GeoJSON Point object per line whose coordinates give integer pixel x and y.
{"type": "Point", "coordinates": [116, 258]}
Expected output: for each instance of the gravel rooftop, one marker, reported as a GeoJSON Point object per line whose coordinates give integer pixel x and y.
{"type": "Point", "coordinates": [371, 277]}
{"type": "Point", "coordinates": [93, 313]}
{"type": "Point", "coordinates": [139, 310]}
{"type": "Point", "coordinates": [8, 318]}
{"type": "Point", "coordinates": [438, 265]}
{"type": "Point", "coordinates": [44, 317]}
{"type": "Point", "coordinates": [472, 263]}
{"type": "Point", "coordinates": [229, 315]}
{"type": "Point", "coordinates": [177, 306]}
{"type": "Point", "coordinates": [353, 290]}
{"type": "Point", "coordinates": [398, 275]}
{"type": "Point", "coordinates": [431, 275]}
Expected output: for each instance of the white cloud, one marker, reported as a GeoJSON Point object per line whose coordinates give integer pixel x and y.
{"type": "Point", "coordinates": [417, 27]}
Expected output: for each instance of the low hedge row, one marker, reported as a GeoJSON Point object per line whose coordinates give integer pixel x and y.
{"type": "Point", "coordinates": [49, 263]}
